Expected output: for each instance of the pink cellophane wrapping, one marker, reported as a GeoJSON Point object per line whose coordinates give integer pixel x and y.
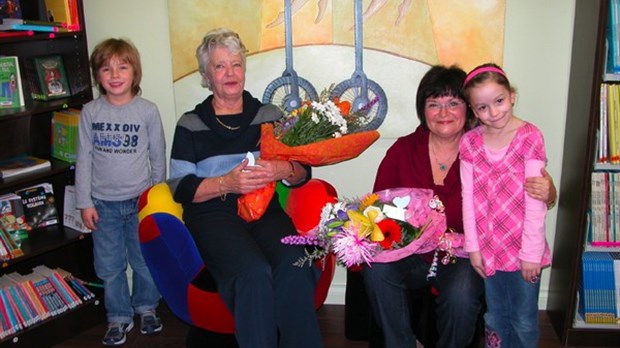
{"type": "Point", "coordinates": [420, 213]}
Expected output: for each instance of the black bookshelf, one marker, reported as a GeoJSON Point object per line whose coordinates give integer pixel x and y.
{"type": "Point", "coordinates": [27, 130]}
{"type": "Point", "coordinates": [586, 75]}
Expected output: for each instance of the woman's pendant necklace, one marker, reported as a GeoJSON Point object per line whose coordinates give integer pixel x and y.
{"type": "Point", "coordinates": [442, 166]}
{"type": "Point", "coordinates": [225, 125]}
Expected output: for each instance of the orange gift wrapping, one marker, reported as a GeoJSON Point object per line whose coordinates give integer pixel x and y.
{"type": "Point", "coordinates": [251, 206]}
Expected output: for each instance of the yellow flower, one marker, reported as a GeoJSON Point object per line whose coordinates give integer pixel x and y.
{"type": "Point", "coordinates": [365, 224]}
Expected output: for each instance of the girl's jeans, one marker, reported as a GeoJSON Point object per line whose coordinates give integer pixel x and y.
{"type": "Point", "coordinates": [116, 243]}
{"type": "Point", "coordinates": [512, 311]}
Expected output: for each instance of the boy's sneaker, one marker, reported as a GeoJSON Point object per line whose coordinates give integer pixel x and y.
{"type": "Point", "coordinates": [116, 334]}
{"type": "Point", "coordinates": [150, 323]}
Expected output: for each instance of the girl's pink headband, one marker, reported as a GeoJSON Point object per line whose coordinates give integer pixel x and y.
{"type": "Point", "coordinates": [481, 70]}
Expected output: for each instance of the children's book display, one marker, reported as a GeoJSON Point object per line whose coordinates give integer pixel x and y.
{"type": "Point", "coordinates": [26, 299]}
{"type": "Point", "coordinates": [65, 134]}
{"type": "Point", "coordinates": [12, 217]}
{"type": "Point", "coordinates": [39, 205]}
{"type": "Point", "coordinates": [10, 9]}
{"type": "Point", "coordinates": [47, 78]}
{"type": "Point", "coordinates": [11, 93]}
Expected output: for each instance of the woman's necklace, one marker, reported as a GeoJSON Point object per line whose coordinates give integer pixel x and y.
{"type": "Point", "coordinates": [225, 125]}
{"type": "Point", "coordinates": [443, 165]}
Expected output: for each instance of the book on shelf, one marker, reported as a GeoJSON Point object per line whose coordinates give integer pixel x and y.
{"type": "Point", "coordinates": [13, 218]}
{"type": "Point", "coordinates": [21, 165]}
{"type": "Point", "coordinates": [10, 9]}
{"type": "Point", "coordinates": [24, 307]}
{"type": "Point", "coordinates": [45, 292]}
{"type": "Point", "coordinates": [65, 134]}
{"type": "Point", "coordinates": [39, 27]}
{"type": "Point", "coordinates": [47, 23]}
{"type": "Point", "coordinates": [602, 153]}
{"type": "Point", "coordinates": [76, 284]}
{"type": "Point", "coordinates": [7, 23]}
{"type": "Point", "coordinates": [599, 205]}
{"type": "Point", "coordinates": [46, 77]}
{"type": "Point", "coordinates": [11, 88]}
{"type": "Point", "coordinates": [48, 293]}
{"type": "Point", "coordinates": [9, 247]}
{"type": "Point", "coordinates": [612, 38]}
{"type": "Point", "coordinates": [39, 205]}
{"type": "Point", "coordinates": [71, 214]}
{"type": "Point", "coordinates": [599, 291]}
{"type": "Point", "coordinates": [7, 34]}
{"type": "Point", "coordinates": [59, 284]}
{"type": "Point", "coordinates": [64, 11]}
{"type": "Point", "coordinates": [604, 213]}
{"type": "Point", "coordinates": [30, 292]}
{"type": "Point", "coordinates": [616, 270]}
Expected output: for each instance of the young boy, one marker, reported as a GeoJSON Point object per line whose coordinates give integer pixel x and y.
{"type": "Point", "coordinates": [121, 152]}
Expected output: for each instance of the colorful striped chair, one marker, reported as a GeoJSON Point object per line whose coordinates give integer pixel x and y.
{"type": "Point", "coordinates": [178, 270]}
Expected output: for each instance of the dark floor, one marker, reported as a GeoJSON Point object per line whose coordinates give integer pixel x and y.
{"type": "Point", "coordinates": [331, 319]}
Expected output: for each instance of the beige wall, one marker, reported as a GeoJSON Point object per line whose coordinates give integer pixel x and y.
{"type": "Point", "coordinates": [536, 57]}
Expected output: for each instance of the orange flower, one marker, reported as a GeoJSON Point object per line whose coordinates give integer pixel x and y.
{"type": "Point", "coordinates": [344, 107]}
{"type": "Point", "coordinates": [391, 233]}
{"type": "Point", "coordinates": [368, 200]}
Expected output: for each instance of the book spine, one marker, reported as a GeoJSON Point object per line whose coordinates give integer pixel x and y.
{"type": "Point", "coordinates": [4, 326]}
{"type": "Point", "coordinates": [21, 306]}
{"type": "Point", "coordinates": [73, 14]}
{"type": "Point", "coordinates": [4, 253]}
{"type": "Point", "coordinates": [6, 313]}
{"type": "Point", "coordinates": [44, 309]}
{"type": "Point", "coordinates": [47, 296]}
{"type": "Point", "coordinates": [32, 79]}
{"type": "Point", "coordinates": [72, 299]}
{"type": "Point", "coordinates": [31, 300]}
{"type": "Point", "coordinates": [45, 23]}
{"type": "Point", "coordinates": [10, 308]}
{"type": "Point", "coordinates": [58, 304]}
{"type": "Point", "coordinates": [44, 28]}
{"type": "Point", "coordinates": [84, 293]}
{"type": "Point", "coordinates": [7, 34]}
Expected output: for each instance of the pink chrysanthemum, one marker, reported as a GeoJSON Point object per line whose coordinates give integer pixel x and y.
{"type": "Point", "coordinates": [351, 250]}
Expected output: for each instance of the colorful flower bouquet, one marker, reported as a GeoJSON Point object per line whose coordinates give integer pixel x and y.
{"type": "Point", "coordinates": [319, 133]}
{"type": "Point", "coordinates": [384, 226]}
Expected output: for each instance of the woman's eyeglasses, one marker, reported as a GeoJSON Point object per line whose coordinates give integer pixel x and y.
{"type": "Point", "coordinates": [450, 106]}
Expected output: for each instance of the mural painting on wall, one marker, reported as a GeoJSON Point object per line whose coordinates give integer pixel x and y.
{"type": "Point", "coordinates": [384, 55]}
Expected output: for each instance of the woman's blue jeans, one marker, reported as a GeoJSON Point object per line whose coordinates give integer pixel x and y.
{"type": "Point", "coordinates": [458, 304]}
{"type": "Point", "coordinates": [116, 244]}
{"type": "Point", "coordinates": [512, 311]}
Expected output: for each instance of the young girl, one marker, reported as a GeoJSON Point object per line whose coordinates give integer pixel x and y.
{"type": "Point", "coordinates": [121, 152]}
{"type": "Point", "coordinates": [504, 228]}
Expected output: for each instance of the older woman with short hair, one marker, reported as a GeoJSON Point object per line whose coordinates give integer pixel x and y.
{"type": "Point", "coordinates": [271, 300]}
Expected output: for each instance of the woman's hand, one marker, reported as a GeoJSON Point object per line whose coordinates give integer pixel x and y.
{"type": "Point", "coordinates": [290, 171]}
{"type": "Point", "coordinates": [244, 178]}
{"type": "Point", "coordinates": [541, 188]}
{"type": "Point", "coordinates": [241, 179]}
